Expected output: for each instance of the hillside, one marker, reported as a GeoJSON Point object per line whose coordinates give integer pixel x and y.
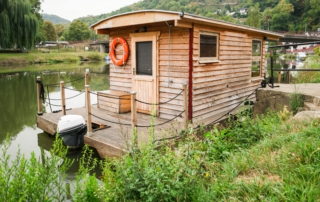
{"type": "Point", "coordinates": [54, 19]}
{"type": "Point", "coordinates": [281, 15]}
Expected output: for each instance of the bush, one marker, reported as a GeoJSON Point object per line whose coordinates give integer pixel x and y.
{"type": "Point", "coordinates": [31, 179]}
{"type": "Point", "coordinates": [95, 57]}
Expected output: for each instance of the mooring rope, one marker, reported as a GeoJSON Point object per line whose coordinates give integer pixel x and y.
{"type": "Point", "coordinates": [103, 95]}
{"type": "Point", "coordinates": [65, 82]}
{"type": "Point", "coordinates": [215, 121]}
{"type": "Point", "coordinates": [54, 104]}
{"type": "Point", "coordinates": [160, 103]}
{"type": "Point", "coordinates": [163, 122]}
{"type": "Point", "coordinates": [110, 121]}
{"type": "Point", "coordinates": [138, 125]}
{"type": "Point", "coordinates": [68, 97]}
{"type": "Point", "coordinates": [49, 98]}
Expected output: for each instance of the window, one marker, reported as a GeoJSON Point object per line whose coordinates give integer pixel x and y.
{"type": "Point", "coordinates": [208, 46]}
{"type": "Point", "coordinates": [256, 58]}
{"type": "Point", "coordinates": [144, 58]}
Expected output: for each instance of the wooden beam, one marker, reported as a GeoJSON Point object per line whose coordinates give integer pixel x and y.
{"type": "Point", "coordinates": [38, 95]}
{"type": "Point", "coordinates": [88, 102]}
{"type": "Point", "coordinates": [134, 117]}
{"type": "Point", "coordinates": [63, 98]}
{"type": "Point", "coordinates": [185, 105]}
{"type": "Point", "coordinates": [179, 23]}
{"type": "Point", "coordinates": [137, 18]}
{"type": "Point", "coordinates": [102, 31]}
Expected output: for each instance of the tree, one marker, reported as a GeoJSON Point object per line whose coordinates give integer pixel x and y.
{"type": "Point", "coordinates": [59, 29]}
{"type": "Point", "coordinates": [18, 25]}
{"type": "Point", "coordinates": [36, 8]}
{"type": "Point", "coordinates": [254, 16]}
{"type": "Point", "coordinates": [48, 31]}
{"type": "Point", "coordinates": [314, 14]}
{"type": "Point", "coordinates": [78, 31]}
{"type": "Point", "coordinates": [281, 16]}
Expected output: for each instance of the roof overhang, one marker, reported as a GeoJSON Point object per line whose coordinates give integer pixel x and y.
{"type": "Point", "coordinates": [180, 20]}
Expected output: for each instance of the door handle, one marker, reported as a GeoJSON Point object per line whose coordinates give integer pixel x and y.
{"type": "Point", "coordinates": [134, 71]}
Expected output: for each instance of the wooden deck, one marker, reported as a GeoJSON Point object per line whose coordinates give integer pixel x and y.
{"type": "Point", "coordinates": [114, 140]}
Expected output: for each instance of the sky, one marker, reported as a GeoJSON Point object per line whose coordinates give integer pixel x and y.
{"type": "Point", "coordinates": [72, 9]}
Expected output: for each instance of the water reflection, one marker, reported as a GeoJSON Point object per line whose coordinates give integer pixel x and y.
{"type": "Point", "coordinates": [18, 100]}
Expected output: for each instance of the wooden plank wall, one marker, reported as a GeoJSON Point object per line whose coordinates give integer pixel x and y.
{"type": "Point", "coordinates": [219, 87]}
{"type": "Point", "coordinates": [177, 74]}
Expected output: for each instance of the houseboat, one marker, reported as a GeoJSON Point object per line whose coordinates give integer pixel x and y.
{"type": "Point", "coordinates": [154, 52]}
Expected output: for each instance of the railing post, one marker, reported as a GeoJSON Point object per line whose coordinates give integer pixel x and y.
{"type": "Point", "coordinates": [86, 78]}
{"type": "Point", "coordinates": [134, 114]}
{"type": "Point", "coordinates": [89, 121]}
{"type": "Point", "coordinates": [63, 98]}
{"type": "Point", "coordinates": [185, 105]}
{"type": "Point", "coordinates": [38, 95]}
{"type": "Point", "coordinates": [279, 76]}
{"type": "Point", "coordinates": [86, 82]}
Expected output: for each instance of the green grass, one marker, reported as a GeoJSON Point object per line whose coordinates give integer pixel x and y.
{"type": "Point", "coordinates": [53, 57]}
{"type": "Point", "coordinates": [312, 62]}
{"type": "Point", "coordinates": [52, 66]}
{"type": "Point", "coordinates": [271, 158]}
{"type": "Point", "coordinates": [267, 159]}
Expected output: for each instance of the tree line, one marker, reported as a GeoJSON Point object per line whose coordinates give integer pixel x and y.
{"type": "Point", "coordinates": [275, 15]}
{"type": "Point", "coordinates": [22, 24]}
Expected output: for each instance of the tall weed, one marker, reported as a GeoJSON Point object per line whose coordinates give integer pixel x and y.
{"type": "Point", "coordinates": [31, 179]}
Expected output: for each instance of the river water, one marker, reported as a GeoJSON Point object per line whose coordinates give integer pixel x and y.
{"type": "Point", "coordinates": [18, 101]}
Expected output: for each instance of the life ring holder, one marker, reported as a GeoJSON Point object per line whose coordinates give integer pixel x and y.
{"type": "Point", "coordinates": [125, 55]}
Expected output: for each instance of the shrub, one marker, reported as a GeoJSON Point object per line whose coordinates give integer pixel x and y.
{"type": "Point", "coordinates": [95, 57]}
{"type": "Point", "coordinates": [296, 101]}
{"type": "Point", "coordinates": [31, 179]}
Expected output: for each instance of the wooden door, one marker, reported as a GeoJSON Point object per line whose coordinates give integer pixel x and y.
{"type": "Point", "coordinates": [144, 51]}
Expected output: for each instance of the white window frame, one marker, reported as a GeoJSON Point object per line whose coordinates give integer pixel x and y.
{"type": "Point", "coordinates": [209, 59]}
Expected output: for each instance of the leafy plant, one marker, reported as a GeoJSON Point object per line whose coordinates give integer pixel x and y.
{"type": "Point", "coordinates": [31, 179]}
{"type": "Point", "coordinates": [296, 101]}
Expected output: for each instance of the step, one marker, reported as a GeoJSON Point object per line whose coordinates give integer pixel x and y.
{"type": "Point", "coordinates": [316, 100]}
{"type": "Point", "coordinates": [311, 106]}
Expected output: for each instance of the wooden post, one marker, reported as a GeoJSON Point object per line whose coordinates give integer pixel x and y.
{"type": "Point", "coordinates": [63, 98]}
{"type": "Point", "coordinates": [86, 80]}
{"type": "Point", "coordinates": [89, 120]}
{"type": "Point", "coordinates": [279, 76]}
{"type": "Point", "coordinates": [134, 114]}
{"type": "Point", "coordinates": [185, 105]}
{"type": "Point", "coordinates": [38, 96]}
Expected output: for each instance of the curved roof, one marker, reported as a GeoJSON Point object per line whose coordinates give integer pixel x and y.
{"type": "Point", "coordinates": [183, 19]}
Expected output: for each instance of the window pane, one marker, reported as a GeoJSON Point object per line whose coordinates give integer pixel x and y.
{"type": "Point", "coordinates": [144, 58]}
{"type": "Point", "coordinates": [208, 46]}
{"type": "Point", "coordinates": [255, 69]}
{"type": "Point", "coordinates": [256, 48]}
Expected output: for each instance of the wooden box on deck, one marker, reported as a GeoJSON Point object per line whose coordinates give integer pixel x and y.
{"type": "Point", "coordinates": [114, 101]}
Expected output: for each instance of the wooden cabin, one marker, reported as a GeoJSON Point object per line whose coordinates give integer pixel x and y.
{"type": "Point", "coordinates": [221, 62]}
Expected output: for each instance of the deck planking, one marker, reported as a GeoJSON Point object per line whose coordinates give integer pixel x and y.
{"type": "Point", "coordinates": [116, 139]}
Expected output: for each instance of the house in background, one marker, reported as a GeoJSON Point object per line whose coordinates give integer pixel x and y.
{"type": "Point", "coordinates": [101, 46]}
{"type": "Point", "coordinates": [222, 63]}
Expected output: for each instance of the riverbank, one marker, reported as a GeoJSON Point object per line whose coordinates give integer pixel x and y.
{"type": "Point", "coordinates": [37, 57]}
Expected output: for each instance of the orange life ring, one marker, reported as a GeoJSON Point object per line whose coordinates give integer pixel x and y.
{"type": "Point", "coordinates": [112, 54]}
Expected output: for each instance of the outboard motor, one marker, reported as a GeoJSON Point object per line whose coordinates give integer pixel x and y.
{"type": "Point", "coordinates": [72, 128]}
